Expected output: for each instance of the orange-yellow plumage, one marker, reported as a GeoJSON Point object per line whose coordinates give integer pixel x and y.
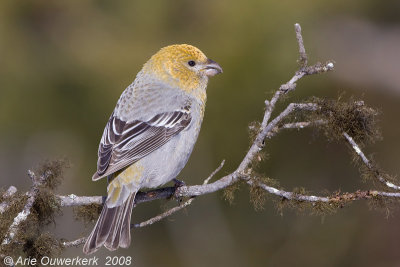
{"type": "Point", "coordinates": [170, 64]}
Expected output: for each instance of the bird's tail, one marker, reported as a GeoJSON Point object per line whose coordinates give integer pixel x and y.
{"type": "Point", "coordinates": [112, 228]}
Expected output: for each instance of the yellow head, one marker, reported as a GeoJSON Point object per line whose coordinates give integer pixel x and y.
{"type": "Point", "coordinates": [182, 65]}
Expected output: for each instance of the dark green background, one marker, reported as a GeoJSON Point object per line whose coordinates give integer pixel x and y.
{"type": "Point", "coordinates": [65, 63]}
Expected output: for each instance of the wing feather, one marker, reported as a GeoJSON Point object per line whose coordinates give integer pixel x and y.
{"type": "Point", "coordinates": [123, 143]}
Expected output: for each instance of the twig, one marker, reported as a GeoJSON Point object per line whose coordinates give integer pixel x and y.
{"type": "Point", "coordinates": [73, 200]}
{"type": "Point", "coordinates": [164, 214]}
{"type": "Point", "coordinates": [175, 209]}
{"type": "Point", "coordinates": [10, 192]}
{"type": "Point", "coordinates": [295, 125]}
{"type": "Point", "coordinates": [288, 195]}
{"type": "Point", "coordinates": [358, 195]}
{"type": "Point", "coordinates": [302, 51]}
{"type": "Point", "coordinates": [75, 243]}
{"type": "Point", "coordinates": [23, 215]}
{"type": "Point", "coordinates": [141, 197]}
{"type": "Point", "coordinates": [7, 195]}
{"type": "Point", "coordinates": [214, 172]}
{"type": "Point", "coordinates": [367, 163]}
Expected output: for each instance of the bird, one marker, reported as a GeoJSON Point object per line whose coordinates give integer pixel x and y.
{"type": "Point", "coordinates": [149, 136]}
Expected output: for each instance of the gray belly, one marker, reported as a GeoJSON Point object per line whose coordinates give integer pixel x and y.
{"type": "Point", "coordinates": [165, 164]}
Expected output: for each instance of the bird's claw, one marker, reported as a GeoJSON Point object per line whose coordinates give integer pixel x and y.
{"type": "Point", "coordinates": [178, 183]}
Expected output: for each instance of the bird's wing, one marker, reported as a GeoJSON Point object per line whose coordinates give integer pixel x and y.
{"type": "Point", "coordinates": [123, 143]}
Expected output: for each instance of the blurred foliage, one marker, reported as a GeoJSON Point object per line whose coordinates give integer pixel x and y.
{"type": "Point", "coordinates": [65, 63]}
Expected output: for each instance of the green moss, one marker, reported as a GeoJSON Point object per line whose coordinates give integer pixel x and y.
{"type": "Point", "coordinates": [352, 117]}
{"type": "Point", "coordinates": [325, 208]}
{"type": "Point", "coordinates": [372, 172]}
{"type": "Point", "coordinates": [229, 192]}
{"type": "Point", "coordinates": [46, 206]}
{"type": "Point", "coordinates": [384, 204]}
{"type": "Point", "coordinates": [42, 245]}
{"type": "Point", "coordinates": [87, 213]}
{"type": "Point", "coordinates": [28, 239]}
{"type": "Point", "coordinates": [296, 205]}
{"type": "Point", "coordinates": [318, 208]}
{"type": "Point", "coordinates": [254, 129]}
{"type": "Point", "coordinates": [300, 191]}
{"type": "Point", "coordinates": [259, 157]}
{"type": "Point", "coordinates": [28, 230]}
{"type": "Point", "coordinates": [53, 170]}
{"type": "Point", "coordinates": [6, 218]}
{"type": "Point", "coordinates": [258, 195]}
{"type": "Point", "coordinates": [2, 191]}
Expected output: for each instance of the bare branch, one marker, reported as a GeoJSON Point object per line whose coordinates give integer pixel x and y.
{"type": "Point", "coordinates": [10, 192]}
{"type": "Point", "coordinates": [302, 51]}
{"type": "Point", "coordinates": [7, 195]}
{"type": "Point", "coordinates": [75, 243]}
{"type": "Point", "coordinates": [358, 195]}
{"type": "Point", "coordinates": [141, 197]}
{"type": "Point", "coordinates": [73, 200]}
{"type": "Point", "coordinates": [367, 163]}
{"type": "Point", "coordinates": [288, 195]}
{"type": "Point", "coordinates": [214, 172]}
{"type": "Point", "coordinates": [164, 214]}
{"type": "Point", "coordinates": [295, 125]}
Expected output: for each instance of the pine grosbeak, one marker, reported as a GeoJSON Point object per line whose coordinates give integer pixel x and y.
{"type": "Point", "coordinates": [149, 136]}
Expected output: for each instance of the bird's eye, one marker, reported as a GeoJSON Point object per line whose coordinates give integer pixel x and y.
{"type": "Point", "coordinates": [191, 63]}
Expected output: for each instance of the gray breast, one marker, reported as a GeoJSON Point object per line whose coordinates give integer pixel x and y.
{"type": "Point", "coordinates": [166, 163]}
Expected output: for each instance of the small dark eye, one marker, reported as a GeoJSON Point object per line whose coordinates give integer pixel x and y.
{"type": "Point", "coordinates": [191, 63]}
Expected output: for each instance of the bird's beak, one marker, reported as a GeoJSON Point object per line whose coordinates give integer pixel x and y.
{"type": "Point", "coordinates": [212, 68]}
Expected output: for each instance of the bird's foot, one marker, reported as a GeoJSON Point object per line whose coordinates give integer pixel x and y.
{"type": "Point", "coordinates": [178, 183]}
